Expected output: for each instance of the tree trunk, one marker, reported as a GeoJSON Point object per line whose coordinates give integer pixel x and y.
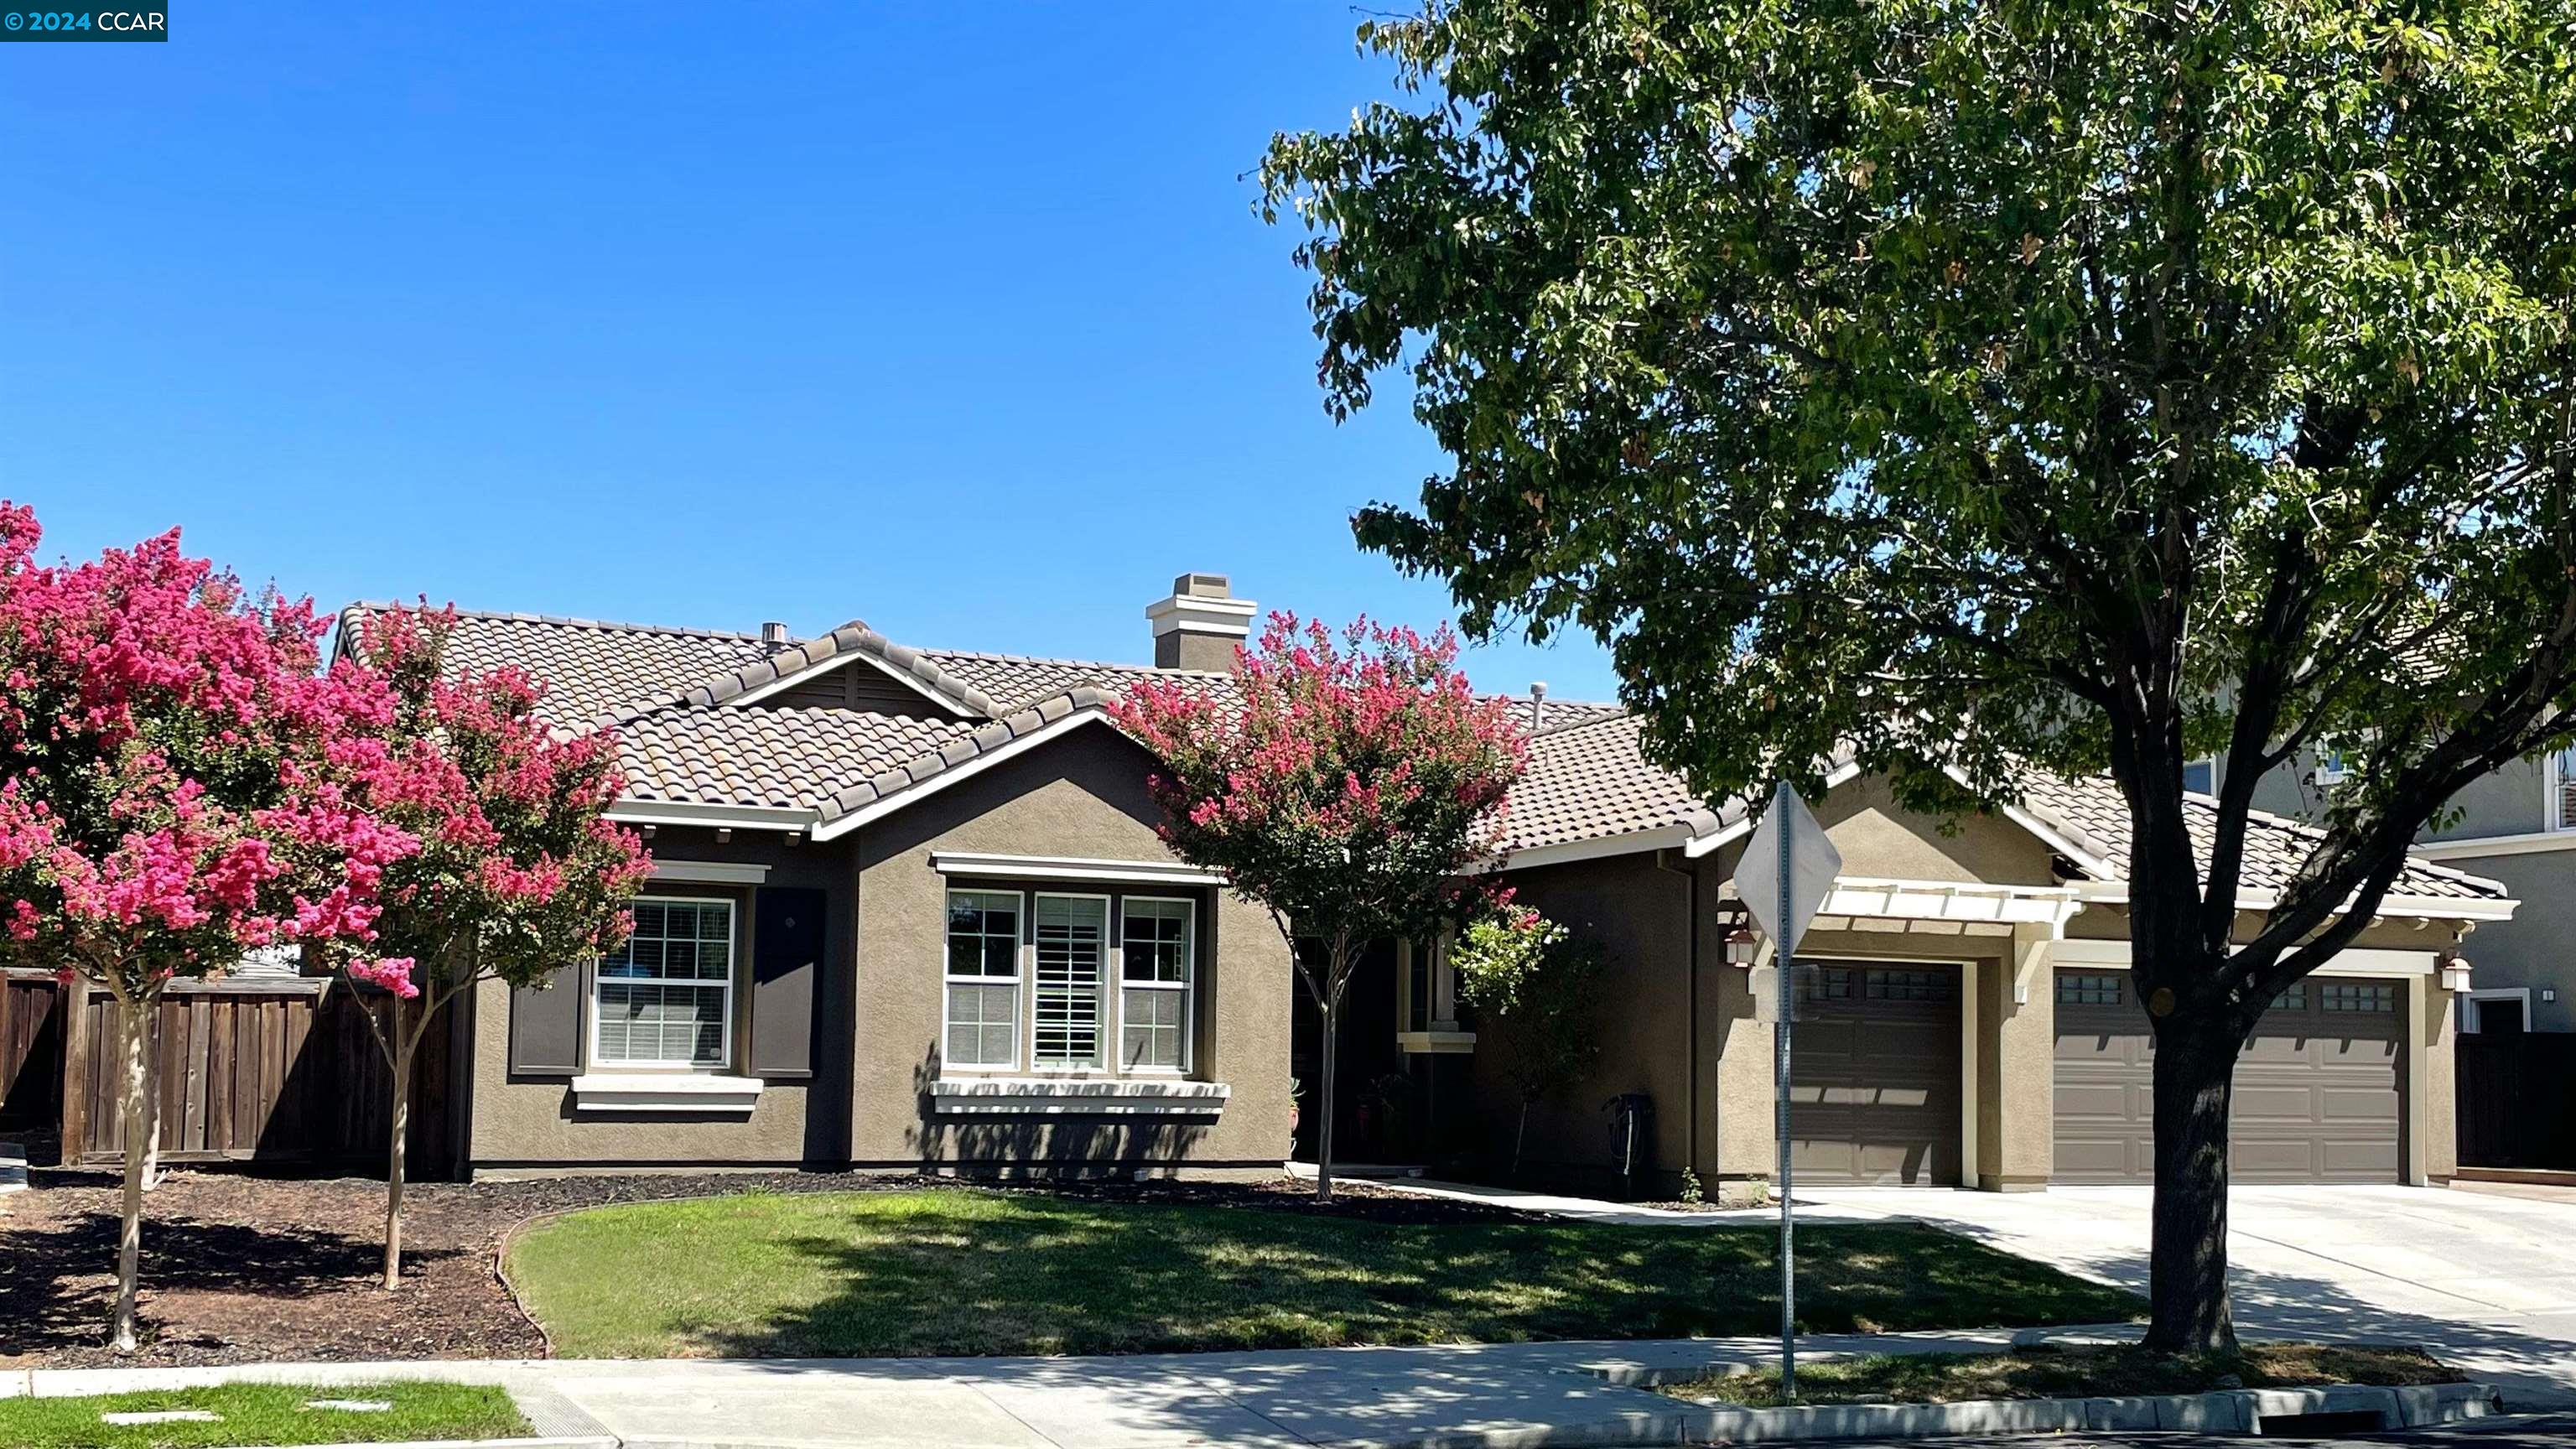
{"type": "Point", "coordinates": [400, 1130]}
{"type": "Point", "coordinates": [2195, 1081]}
{"type": "Point", "coordinates": [133, 1024]}
{"type": "Point", "coordinates": [1324, 1124]}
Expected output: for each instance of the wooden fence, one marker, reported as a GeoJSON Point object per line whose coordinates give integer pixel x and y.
{"type": "Point", "coordinates": [258, 1071]}
{"type": "Point", "coordinates": [30, 1051]}
{"type": "Point", "coordinates": [2517, 1099]}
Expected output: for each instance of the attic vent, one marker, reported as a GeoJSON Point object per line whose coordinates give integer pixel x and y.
{"type": "Point", "coordinates": [773, 636]}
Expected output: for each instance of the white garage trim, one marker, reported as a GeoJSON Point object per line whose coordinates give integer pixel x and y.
{"type": "Point", "coordinates": [2355, 961]}
{"type": "Point", "coordinates": [2473, 1019]}
{"type": "Point", "coordinates": [1968, 1055]}
{"type": "Point", "coordinates": [2391, 906]}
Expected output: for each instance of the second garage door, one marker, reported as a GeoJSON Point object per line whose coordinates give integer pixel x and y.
{"type": "Point", "coordinates": [2320, 1090]}
{"type": "Point", "coordinates": [1874, 1076]}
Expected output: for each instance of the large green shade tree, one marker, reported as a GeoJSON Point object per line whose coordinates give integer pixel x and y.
{"type": "Point", "coordinates": [1988, 386]}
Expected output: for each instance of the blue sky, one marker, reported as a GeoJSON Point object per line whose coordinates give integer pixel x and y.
{"type": "Point", "coordinates": [953, 318]}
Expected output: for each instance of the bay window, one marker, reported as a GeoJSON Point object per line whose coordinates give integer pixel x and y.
{"type": "Point", "coordinates": [665, 999]}
{"type": "Point", "coordinates": [983, 1026]}
{"type": "Point", "coordinates": [1158, 942]}
{"type": "Point", "coordinates": [1069, 981]}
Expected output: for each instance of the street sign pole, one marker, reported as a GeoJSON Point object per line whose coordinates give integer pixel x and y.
{"type": "Point", "coordinates": [1786, 875]}
{"type": "Point", "coordinates": [1780, 1109]}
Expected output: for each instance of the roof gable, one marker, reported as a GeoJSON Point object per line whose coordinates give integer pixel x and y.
{"type": "Point", "coordinates": [801, 666]}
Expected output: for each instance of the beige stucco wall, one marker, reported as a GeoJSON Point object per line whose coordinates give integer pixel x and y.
{"type": "Point", "coordinates": [1081, 796]}
{"type": "Point", "coordinates": [1878, 837]}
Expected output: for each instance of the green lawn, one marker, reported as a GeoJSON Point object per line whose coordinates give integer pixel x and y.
{"type": "Point", "coordinates": [962, 1271]}
{"type": "Point", "coordinates": [1950, 1378]}
{"type": "Point", "coordinates": [264, 1414]}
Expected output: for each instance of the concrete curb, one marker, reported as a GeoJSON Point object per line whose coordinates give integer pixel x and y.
{"type": "Point", "coordinates": [2223, 1411]}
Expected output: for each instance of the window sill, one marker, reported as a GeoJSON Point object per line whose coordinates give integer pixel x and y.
{"type": "Point", "coordinates": [1435, 1043]}
{"type": "Point", "coordinates": [1076, 1097]}
{"type": "Point", "coordinates": [690, 1092]}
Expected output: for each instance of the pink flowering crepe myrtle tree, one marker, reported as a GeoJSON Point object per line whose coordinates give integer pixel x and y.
{"type": "Point", "coordinates": [1353, 789]}
{"type": "Point", "coordinates": [518, 871]}
{"type": "Point", "coordinates": [169, 796]}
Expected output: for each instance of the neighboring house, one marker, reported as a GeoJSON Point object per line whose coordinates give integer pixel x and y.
{"type": "Point", "coordinates": [2516, 826]}
{"type": "Point", "coordinates": [910, 909]}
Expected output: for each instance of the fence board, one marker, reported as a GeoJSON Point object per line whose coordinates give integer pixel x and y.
{"type": "Point", "coordinates": [2517, 1099]}
{"type": "Point", "coordinates": [30, 1049]}
{"type": "Point", "coordinates": [266, 1071]}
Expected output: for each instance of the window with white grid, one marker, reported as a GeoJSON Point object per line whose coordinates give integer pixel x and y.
{"type": "Point", "coordinates": [1072, 939]}
{"type": "Point", "coordinates": [666, 998]}
{"type": "Point", "coordinates": [983, 1023]}
{"type": "Point", "coordinates": [2360, 996]}
{"type": "Point", "coordinates": [1158, 946]}
{"type": "Point", "coordinates": [2561, 771]}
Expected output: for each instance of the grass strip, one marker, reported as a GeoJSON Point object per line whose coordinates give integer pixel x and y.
{"type": "Point", "coordinates": [264, 1414]}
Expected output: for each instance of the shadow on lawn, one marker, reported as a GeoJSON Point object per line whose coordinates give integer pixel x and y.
{"type": "Point", "coordinates": [1049, 1276]}
{"type": "Point", "coordinates": [55, 1286]}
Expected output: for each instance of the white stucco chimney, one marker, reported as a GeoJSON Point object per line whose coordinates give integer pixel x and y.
{"type": "Point", "coordinates": [1199, 626]}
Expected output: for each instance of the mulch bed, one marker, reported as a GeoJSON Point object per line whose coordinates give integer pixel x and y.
{"type": "Point", "coordinates": [241, 1268]}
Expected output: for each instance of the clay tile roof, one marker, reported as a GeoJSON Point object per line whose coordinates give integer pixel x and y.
{"type": "Point", "coordinates": [2091, 810]}
{"type": "Point", "coordinates": [967, 744]}
{"type": "Point", "coordinates": [665, 690]}
{"type": "Point", "coordinates": [782, 758]}
{"type": "Point", "coordinates": [589, 667]}
{"type": "Point", "coordinates": [1589, 780]}
{"type": "Point", "coordinates": [1019, 680]}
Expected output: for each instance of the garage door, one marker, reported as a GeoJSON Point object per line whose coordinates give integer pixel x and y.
{"type": "Point", "coordinates": [2320, 1090]}
{"type": "Point", "coordinates": [1874, 1076]}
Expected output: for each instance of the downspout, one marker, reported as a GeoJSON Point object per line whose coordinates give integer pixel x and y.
{"type": "Point", "coordinates": [1690, 998]}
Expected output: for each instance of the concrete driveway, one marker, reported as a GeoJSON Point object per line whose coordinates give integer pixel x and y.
{"type": "Point", "coordinates": [2486, 1278]}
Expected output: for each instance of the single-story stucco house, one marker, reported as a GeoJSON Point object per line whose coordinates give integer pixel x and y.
{"type": "Point", "coordinates": [910, 910]}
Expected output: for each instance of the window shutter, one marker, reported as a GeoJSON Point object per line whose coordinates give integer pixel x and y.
{"type": "Point", "coordinates": [545, 1027]}
{"type": "Point", "coordinates": [786, 959]}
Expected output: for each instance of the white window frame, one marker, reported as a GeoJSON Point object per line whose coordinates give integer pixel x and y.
{"type": "Point", "coordinates": [1187, 986]}
{"type": "Point", "coordinates": [1019, 979]}
{"type": "Point", "coordinates": [1104, 1014]}
{"type": "Point", "coordinates": [733, 964]}
{"type": "Point", "coordinates": [2473, 1021]}
{"type": "Point", "coordinates": [2553, 783]}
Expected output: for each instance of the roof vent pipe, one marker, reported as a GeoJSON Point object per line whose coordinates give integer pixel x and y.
{"type": "Point", "coordinates": [773, 636]}
{"type": "Point", "coordinates": [1538, 704]}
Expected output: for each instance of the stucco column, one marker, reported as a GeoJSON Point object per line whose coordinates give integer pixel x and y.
{"type": "Point", "coordinates": [2432, 1113]}
{"type": "Point", "coordinates": [1735, 1080]}
{"type": "Point", "coordinates": [2016, 1066]}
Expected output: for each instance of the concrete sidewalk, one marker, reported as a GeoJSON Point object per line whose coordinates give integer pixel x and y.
{"type": "Point", "coordinates": [1498, 1395]}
